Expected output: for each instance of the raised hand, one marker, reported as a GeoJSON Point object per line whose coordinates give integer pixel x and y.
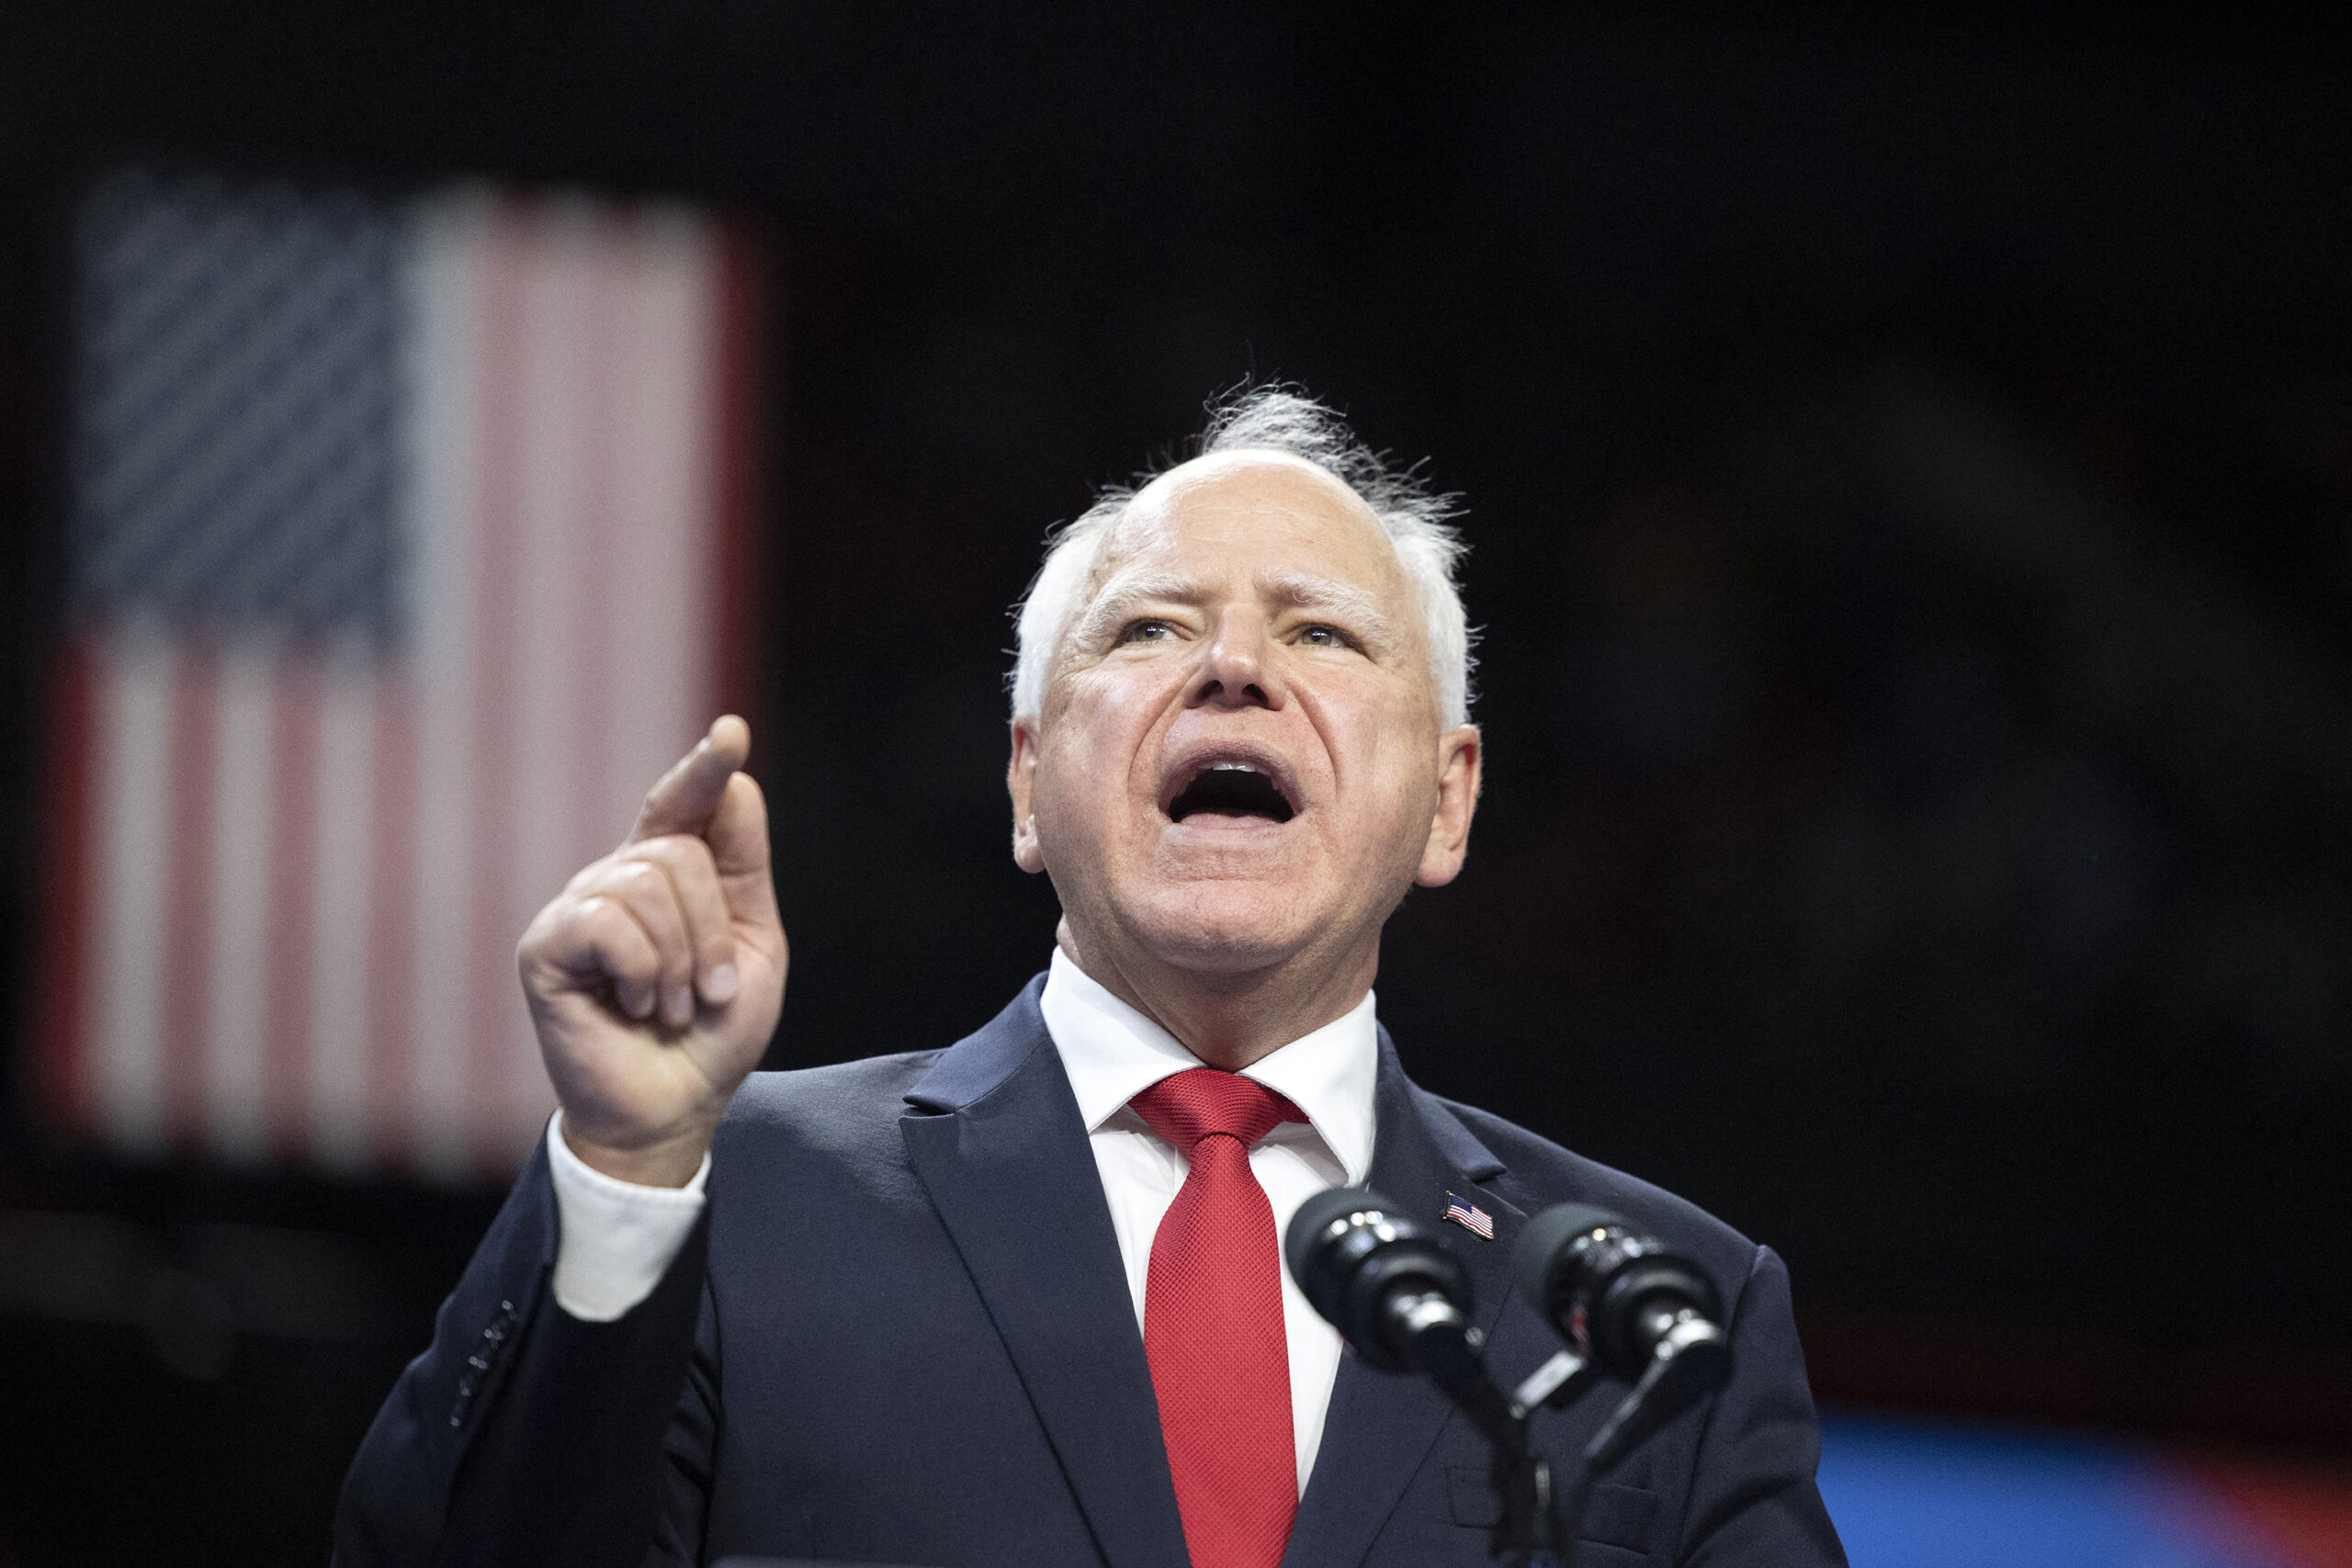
{"type": "Point", "coordinates": [656, 977]}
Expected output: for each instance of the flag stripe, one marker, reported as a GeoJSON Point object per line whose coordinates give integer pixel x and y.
{"type": "Point", "coordinates": [134, 700]}
{"type": "Point", "coordinates": [234, 935]}
{"type": "Point", "coordinates": [61, 1038]}
{"type": "Point", "coordinates": [394, 928]}
{"type": "Point", "coordinates": [344, 827]}
{"type": "Point", "coordinates": [445, 435]}
{"type": "Point", "coordinates": [497, 689]}
{"type": "Point", "coordinates": [665, 484]}
{"type": "Point", "coordinates": [740, 323]}
{"type": "Point", "coordinates": [541, 769]}
{"type": "Point", "coordinates": [291, 832]}
{"type": "Point", "coordinates": [186, 996]}
{"type": "Point", "coordinates": [594, 620]}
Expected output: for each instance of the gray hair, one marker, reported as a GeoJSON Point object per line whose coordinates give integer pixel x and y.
{"type": "Point", "coordinates": [1271, 418]}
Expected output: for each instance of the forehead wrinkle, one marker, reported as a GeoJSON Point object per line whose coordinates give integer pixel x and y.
{"type": "Point", "coordinates": [1358, 606]}
{"type": "Point", "coordinates": [1120, 576]}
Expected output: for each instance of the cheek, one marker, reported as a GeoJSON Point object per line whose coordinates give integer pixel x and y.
{"type": "Point", "coordinates": [1392, 740]}
{"type": "Point", "coordinates": [1095, 736]}
{"type": "Point", "coordinates": [1384, 731]}
{"type": "Point", "coordinates": [1109, 714]}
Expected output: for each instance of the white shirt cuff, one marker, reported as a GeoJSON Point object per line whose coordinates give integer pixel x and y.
{"type": "Point", "coordinates": [616, 1238]}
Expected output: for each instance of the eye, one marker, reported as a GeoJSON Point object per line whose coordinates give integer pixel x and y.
{"type": "Point", "coordinates": [1146, 631]}
{"type": "Point", "coordinates": [1325, 637]}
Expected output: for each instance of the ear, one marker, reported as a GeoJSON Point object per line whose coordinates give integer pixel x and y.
{"type": "Point", "coordinates": [1020, 780]}
{"type": "Point", "coordinates": [1458, 759]}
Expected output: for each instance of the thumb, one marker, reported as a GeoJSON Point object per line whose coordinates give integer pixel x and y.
{"type": "Point", "coordinates": [684, 799]}
{"type": "Point", "coordinates": [738, 836]}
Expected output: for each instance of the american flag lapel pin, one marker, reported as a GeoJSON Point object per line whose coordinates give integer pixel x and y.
{"type": "Point", "coordinates": [1469, 1216]}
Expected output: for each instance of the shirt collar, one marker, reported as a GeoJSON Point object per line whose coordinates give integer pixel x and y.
{"type": "Point", "coordinates": [1112, 1053]}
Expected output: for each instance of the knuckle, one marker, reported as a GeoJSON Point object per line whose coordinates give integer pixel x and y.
{"type": "Point", "coordinates": [637, 874]}
{"type": "Point", "coordinates": [594, 881]}
{"type": "Point", "coordinates": [544, 925]}
{"type": "Point", "coordinates": [689, 855]}
{"type": "Point", "coordinates": [662, 871]}
{"type": "Point", "coordinates": [593, 916]}
{"type": "Point", "coordinates": [606, 923]}
{"type": "Point", "coordinates": [647, 891]}
{"type": "Point", "coordinates": [664, 850]}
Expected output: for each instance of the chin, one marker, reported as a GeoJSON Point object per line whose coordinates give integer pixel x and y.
{"type": "Point", "coordinates": [1222, 927]}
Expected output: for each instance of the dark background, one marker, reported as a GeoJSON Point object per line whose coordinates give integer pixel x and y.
{"type": "Point", "coordinates": [1910, 475]}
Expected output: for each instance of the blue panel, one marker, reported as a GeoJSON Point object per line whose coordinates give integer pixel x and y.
{"type": "Point", "coordinates": [1909, 1494]}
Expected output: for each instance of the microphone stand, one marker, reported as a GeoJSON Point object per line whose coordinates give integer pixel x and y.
{"type": "Point", "coordinates": [1672, 1380]}
{"type": "Point", "coordinates": [1537, 1527]}
{"type": "Point", "coordinates": [1530, 1531]}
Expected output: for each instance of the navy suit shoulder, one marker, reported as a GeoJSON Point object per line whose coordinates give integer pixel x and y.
{"type": "Point", "coordinates": [835, 1094]}
{"type": "Point", "coordinates": [1551, 1173]}
{"type": "Point", "coordinates": [850, 1110]}
{"type": "Point", "coordinates": [1743, 1462]}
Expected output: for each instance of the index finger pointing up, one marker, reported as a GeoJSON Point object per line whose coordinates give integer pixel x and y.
{"type": "Point", "coordinates": [682, 799]}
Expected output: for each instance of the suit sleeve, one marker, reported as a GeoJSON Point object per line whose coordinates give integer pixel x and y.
{"type": "Point", "coordinates": [687, 1454]}
{"type": "Point", "coordinates": [1752, 1501]}
{"type": "Point", "coordinates": [523, 1435]}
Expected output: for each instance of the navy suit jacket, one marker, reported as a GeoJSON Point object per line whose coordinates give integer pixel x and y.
{"type": "Point", "coordinates": [901, 1333]}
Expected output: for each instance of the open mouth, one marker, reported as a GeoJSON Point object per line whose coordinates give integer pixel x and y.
{"type": "Point", "coordinates": [1231, 789]}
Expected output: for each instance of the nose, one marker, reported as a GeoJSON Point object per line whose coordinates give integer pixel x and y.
{"type": "Point", "coordinates": [1235, 669]}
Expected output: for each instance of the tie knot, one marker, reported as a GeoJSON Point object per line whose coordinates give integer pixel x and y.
{"type": "Point", "coordinates": [1202, 1102]}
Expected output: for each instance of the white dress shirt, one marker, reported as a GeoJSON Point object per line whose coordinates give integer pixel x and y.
{"type": "Point", "coordinates": [618, 1238]}
{"type": "Point", "coordinates": [1112, 1053]}
{"type": "Point", "coordinates": [615, 1238]}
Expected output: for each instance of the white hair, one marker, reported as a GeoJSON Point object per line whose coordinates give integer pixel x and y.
{"type": "Point", "coordinates": [1271, 419]}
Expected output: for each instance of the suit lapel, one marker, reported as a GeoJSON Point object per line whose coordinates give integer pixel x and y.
{"type": "Point", "coordinates": [1383, 1425]}
{"type": "Point", "coordinates": [996, 1139]}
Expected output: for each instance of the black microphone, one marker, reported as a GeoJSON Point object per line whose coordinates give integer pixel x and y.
{"type": "Point", "coordinates": [1388, 1285]}
{"type": "Point", "coordinates": [1632, 1308]}
{"type": "Point", "coordinates": [1619, 1296]}
{"type": "Point", "coordinates": [1398, 1294]}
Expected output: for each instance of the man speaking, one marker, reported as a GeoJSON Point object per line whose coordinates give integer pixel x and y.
{"type": "Point", "coordinates": [1019, 1301]}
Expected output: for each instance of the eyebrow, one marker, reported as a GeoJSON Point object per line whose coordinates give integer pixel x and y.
{"type": "Point", "coordinates": [1359, 607]}
{"type": "Point", "coordinates": [1108, 611]}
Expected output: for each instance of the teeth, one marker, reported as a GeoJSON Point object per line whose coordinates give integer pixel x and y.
{"type": "Point", "coordinates": [1264, 798]}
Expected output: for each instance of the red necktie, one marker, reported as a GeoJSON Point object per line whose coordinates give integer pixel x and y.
{"type": "Point", "coordinates": [1213, 1324]}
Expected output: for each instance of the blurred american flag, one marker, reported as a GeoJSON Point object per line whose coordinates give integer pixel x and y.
{"type": "Point", "coordinates": [407, 543]}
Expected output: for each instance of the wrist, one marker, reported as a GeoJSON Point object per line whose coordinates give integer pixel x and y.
{"type": "Point", "coordinates": [668, 1161]}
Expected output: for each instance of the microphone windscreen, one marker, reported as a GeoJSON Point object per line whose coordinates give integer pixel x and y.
{"type": "Point", "coordinates": [1313, 1218]}
{"type": "Point", "coordinates": [1541, 1242]}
